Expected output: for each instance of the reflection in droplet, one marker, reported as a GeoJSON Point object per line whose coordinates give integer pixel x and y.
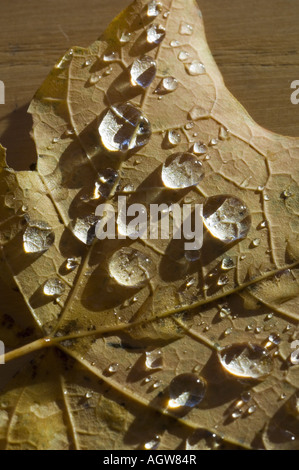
{"type": "Point", "coordinates": [249, 361]}
{"type": "Point", "coordinates": [124, 128]}
{"type": "Point", "coordinates": [71, 264]}
{"type": "Point", "coordinates": [155, 34]}
{"type": "Point", "coordinates": [227, 264]}
{"type": "Point", "coordinates": [143, 71]}
{"type": "Point", "coordinates": [195, 68]}
{"type": "Point", "coordinates": [182, 170]}
{"type": "Point", "coordinates": [38, 237]}
{"type": "Point", "coordinates": [222, 280]}
{"type": "Point", "coordinates": [106, 181]}
{"type": "Point", "coordinates": [186, 390]}
{"type": "Point", "coordinates": [84, 229]}
{"type": "Point", "coordinates": [154, 359]}
{"type": "Point", "coordinates": [53, 287]}
{"type": "Point", "coordinates": [226, 218]}
{"type": "Point", "coordinates": [131, 268]}
{"type": "Point", "coordinates": [174, 137]}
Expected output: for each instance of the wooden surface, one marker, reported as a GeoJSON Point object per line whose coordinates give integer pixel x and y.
{"type": "Point", "coordinates": [255, 43]}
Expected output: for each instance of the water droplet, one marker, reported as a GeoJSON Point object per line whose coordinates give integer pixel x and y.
{"type": "Point", "coordinates": [148, 379]}
{"type": "Point", "coordinates": [294, 358]}
{"type": "Point", "coordinates": [71, 264]}
{"type": "Point", "coordinates": [154, 8]}
{"type": "Point", "coordinates": [108, 71]}
{"type": "Point", "coordinates": [195, 68]}
{"type": "Point", "coordinates": [186, 390]}
{"type": "Point", "coordinates": [55, 140]}
{"type": "Point", "coordinates": [227, 263]}
{"type": "Point", "coordinates": [224, 312]}
{"type": "Point", "coordinates": [182, 170]}
{"type": "Point", "coordinates": [274, 338]}
{"type": "Point", "coordinates": [38, 237]}
{"type": "Point", "coordinates": [223, 133]}
{"type": "Point", "coordinates": [228, 332]}
{"type": "Point", "coordinates": [155, 34]}
{"type": "Point", "coordinates": [143, 71]}
{"type": "Point", "coordinates": [84, 229]}
{"type": "Point", "coordinates": [256, 242]}
{"type": "Point", "coordinates": [113, 368]}
{"type": "Point", "coordinates": [236, 414]}
{"type": "Point", "coordinates": [226, 218]}
{"type": "Point", "coordinates": [154, 359]}
{"type": "Point", "coordinates": [88, 395]}
{"type": "Point", "coordinates": [287, 193]}
{"type": "Point", "coordinates": [248, 361]}
{"type": "Point", "coordinates": [223, 280]}
{"type": "Point", "coordinates": [251, 409]}
{"type": "Point", "coordinates": [183, 55]}
{"type": "Point", "coordinates": [87, 63]}
{"type": "Point", "coordinates": [106, 181]}
{"type": "Point", "coordinates": [124, 37]}
{"type": "Point", "coordinates": [186, 29]}
{"type": "Point", "coordinates": [53, 287]}
{"type": "Point", "coordinates": [269, 316]}
{"type": "Point", "coordinates": [124, 128]}
{"type": "Point", "coordinates": [175, 43]}
{"type": "Point", "coordinates": [157, 384]}
{"type": "Point", "coordinates": [189, 125]}
{"type": "Point", "coordinates": [192, 255]}
{"type": "Point", "coordinates": [199, 148]}
{"type": "Point", "coordinates": [131, 268]}
{"type": "Point", "coordinates": [246, 397]}
{"type": "Point", "coordinates": [266, 197]}
{"type": "Point", "coordinates": [213, 142]}
{"type": "Point", "coordinates": [198, 112]}
{"type": "Point", "coordinates": [95, 78]}
{"type": "Point", "coordinates": [202, 439]}
{"type": "Point", "coordinates": [111, 56]}
{"type": "Point", "coordinates": [174, 137]}
{"type": "Point", "coordinates": [167, 85]}
{"type": "Point", "coordinates": [263, 224]}
{"type": "Point", "coordinates": [153, 444]}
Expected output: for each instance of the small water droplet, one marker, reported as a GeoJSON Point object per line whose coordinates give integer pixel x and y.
{"type": "Point", "coordinates": [143, 71]}
{"type": "Point", "coordinates": [88, 395]}
{"type": "Point", "coordinates": [226, 218]}
{"type": "Point", "coordinates": [198, 112]}
{"type": "Point", "coordinates": [38, 237]}
{"type": "Point", "coordinates": [153, 444]}
{"type": "Point", "coordinates": [106, 181]}
{"type": "Point", "coordinates": [155, 34]}
{"type": "Point", "coordinates": [124, 128]}
{"type": "Point", "coordinates": [167, 85]}
{"type": "Point", "coordinates": [174, 137]}
{"type": "Point", "coordinates": [266, 197]}
{"type": "Point", "coordinates": [287, 193]}
{"type": "Point", "coordinates": [111, 56]}
{"type": "Point", "coordinates": [223, 280]}
{"type": "Point", "coordinates": [175, 43]}
{"type": "Point", "coordinates": [251, 409]}
{"type": "Point", "coordinates": [131, 268]}
{"type": "Point", "coordinates": [246, 396]}
{"type": "Point", "coordinates": [154, 359]}
{"type": "Point", "coordinates": [113, 368]}
{"type": "Point", "coordinates": [274, 338]}
{"type": "Point", "coordinates": [157, 384]}
{"type": "Point", "coordinates": [87, 63]}
{"type": "Point", "coordinates": [263, 224]}
{"type": "Point", "coordinates": [186, 390]}
{"type": "Point", "coordinates": [269, 316]}
{"type": "Point", "coordinates": [55, 140]}
{"type": "Point", "coordinates": [154, 8]}
{"type": "Point", "coordinates": [223, 133]}
{"type": "Point", "coordinates": [228, 332]}
{"type": "Point", "coordinates": [199, 148]}
{"type": "Point", "coordinates": [224, 312]}
{"type": "Point", "coordinates": [124, 37]}
{"type": "Point", "coordinates": [84, 229]}
{"type": "Point", "coordinates": [249, 361]}
{"type": "Point", "coordinates": [195, 68]}
{"type": "Point", "coordinates": [256, 242]}
{"type": "Point", "coordinates": [182, 170]}
{"type": "Point", "coordinates": [227, 264]}
{"type": "Point", "coordinates": [183, 55]}
{"type": "Point", "coordinates": [71, 264]}
{"type": "Point", "coordinates": [189, 125]}
{"type": "Point", "coordinates": [236, 414]}
{"type": "Point", "coordinates": [186, 29]}
{"type": "Point", "coordinates": [213, 142]}
{"type": "Point", "coordinates": [108, 71]}
{"type": "Point", "coordinates": [53, 287]}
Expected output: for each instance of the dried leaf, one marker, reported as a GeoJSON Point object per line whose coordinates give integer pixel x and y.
{"type": "Point", "coordinates": [106, 344]}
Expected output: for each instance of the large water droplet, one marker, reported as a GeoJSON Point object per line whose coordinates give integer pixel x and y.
{"type": "Point", "coordinates": [143, 71]}
{"type": "Point", "coordinates": [155, 34]}
{"type": "Point", "coordinates": [249, 361]}
{"type": "Point", "coordinates": [123, 128]}
{"type": "Point", "coordinates": [186, 390]}
{"type": "Point", "coordinates": [195, 68]}
{"type": "Point", "coordinates": [54, 287]}
{"type": "Point", "coordinates": [226, 218]}
{"type": "Point", "coordinates": [38, 237]}
{"type": "Point", "coordinates": [84, 229]}
{"type": "Point", "coordinates": [131, 268]}
{"type": "Point", "coordinates": [154, 8]}
{"type": "Point", "coordinates": [154, 359]}
{"type": "Point", "coordinates": [182, 170]}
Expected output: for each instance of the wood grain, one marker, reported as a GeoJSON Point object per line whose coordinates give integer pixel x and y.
{"type": "Point", "coordinates": [255, 44]}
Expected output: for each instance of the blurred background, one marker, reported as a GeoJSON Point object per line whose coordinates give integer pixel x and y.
{"type": "Point", "coordinates": [255, 43]}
